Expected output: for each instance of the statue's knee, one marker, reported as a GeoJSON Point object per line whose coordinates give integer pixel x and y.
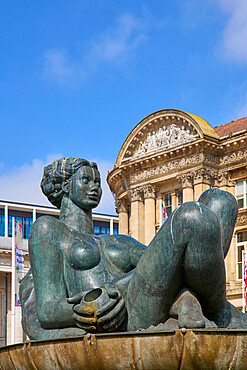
{"type": "Point", "coordinates": [200, 218]}
{"type": "Point", "coordinates": [220, 202]}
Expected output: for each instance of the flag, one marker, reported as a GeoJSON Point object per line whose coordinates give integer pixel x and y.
{"type": "Point", "coordinates": [245, 277]}
{"type": "Point", "coordinates": [19, 261]}
{"type": "Point", "coordinates": [165, 216]}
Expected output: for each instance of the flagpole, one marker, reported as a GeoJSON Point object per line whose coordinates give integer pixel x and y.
{"type": "Point", "coordinates": [160, 213]}
{"type": "Point", "coordinates": [243, 281]}
{"type": "Point", "coordinates": [13, 284]}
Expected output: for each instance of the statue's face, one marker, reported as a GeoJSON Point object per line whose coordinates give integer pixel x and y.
{"type": "Point", "coordinates": [84, 188]}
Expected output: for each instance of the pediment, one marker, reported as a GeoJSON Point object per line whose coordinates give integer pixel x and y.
{"type": "Point", "coordinates": [163, 130]}
{"type": "Point", "coordinates": [164, 133]}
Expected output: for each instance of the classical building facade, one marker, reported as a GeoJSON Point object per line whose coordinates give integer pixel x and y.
{"type": "Point", "coordinates": [26, 214]}
{"type": "Point", "coordinates": [171, 157]}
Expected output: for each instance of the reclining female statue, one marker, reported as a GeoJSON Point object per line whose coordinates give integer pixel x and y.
{"type": "Point", "coordinates": [181, 274]}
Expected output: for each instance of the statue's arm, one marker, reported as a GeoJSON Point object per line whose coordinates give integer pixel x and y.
{"type": "Point", "coordinates": [135, 248]}
{"type": "Point", "coordinates": [53, 310]}
{"type": "Point", "coordinates": [135, 251]}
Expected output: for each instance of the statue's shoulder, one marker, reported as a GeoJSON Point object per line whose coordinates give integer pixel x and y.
{"type": "Point", "coordinates": [46, 228]}
{"type": "Point", "coordinates": [46, 223]}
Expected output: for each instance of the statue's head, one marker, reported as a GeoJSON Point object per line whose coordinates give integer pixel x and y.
{"type": "Point", "coordinates": [75, 178]}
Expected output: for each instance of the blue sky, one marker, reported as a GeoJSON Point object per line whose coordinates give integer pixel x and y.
{"type": "Point", "coordinates": [76, 77]}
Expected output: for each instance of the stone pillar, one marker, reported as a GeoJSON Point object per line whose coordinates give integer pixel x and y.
{"type": "Point", "coordinates": [6, 221]}
{"type": "Point", "coordinates": [187, 185]}
{"type": "Point", "coordinates": [174, 201]}
{"type": "Point", "coordinates": [203, 179]}
{"type": "Point", "coordinates": [137, 227]}
{"type": "Point", "coordinates": [149, 199]}
{"type": "Point", "coordinates": [34, 214]}
{"type": "Point", "coordinates": [122, 210]}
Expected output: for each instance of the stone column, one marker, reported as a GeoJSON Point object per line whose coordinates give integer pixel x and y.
{"type": "Point", "coordinates": [122, 210]}
{"type": "Point", "coordinates": [174, 201]}
{"type": "Point", "coordinates": [187, 185]}
{"type": "Point", "coordinates": [203, 179]}
{"type": "Point", "coordinates": [149, 200]}
{"type": "Point", "coordinates": [6, 216]}
{"type": "Point", "coordinates": [137, 227]}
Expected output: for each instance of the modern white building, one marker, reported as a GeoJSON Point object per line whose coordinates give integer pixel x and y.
{"type": "Point", "coordinates": [26, 214]}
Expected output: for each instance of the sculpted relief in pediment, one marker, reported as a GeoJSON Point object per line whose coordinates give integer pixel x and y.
{"type": "Point", "coordinates": [165, 137]}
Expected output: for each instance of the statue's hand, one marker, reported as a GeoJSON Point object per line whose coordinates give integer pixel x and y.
{"type": "Point", "coordinates": [112, 314]}
{"type": "Point", "coordinates": [82, 315]}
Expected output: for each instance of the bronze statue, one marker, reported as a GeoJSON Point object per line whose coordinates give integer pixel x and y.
{"type": "Point", "coordinates": [81, 283]}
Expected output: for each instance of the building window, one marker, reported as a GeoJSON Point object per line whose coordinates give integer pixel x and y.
{"type": "Point", "coordinates": [26, 223]}
{"type": "Point", "coordinates": [2, 222]}
{"type": "Point", "coordinates": [167, 203]}
{"type": "Point", "coordinates": [180, 197]}
{"type": "Point", "coordinates": [241, 193]}
{"type": "Point", "coordinates": [99, 230]}
{"type": "Point", "coordinates": [241, 245]}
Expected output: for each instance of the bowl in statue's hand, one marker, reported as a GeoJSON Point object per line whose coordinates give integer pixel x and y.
{"type": "Point", "coordinates": [95, 299]}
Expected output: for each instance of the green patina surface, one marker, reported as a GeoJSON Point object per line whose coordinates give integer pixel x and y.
{"type": "Point", "coordinates": [81, 283]}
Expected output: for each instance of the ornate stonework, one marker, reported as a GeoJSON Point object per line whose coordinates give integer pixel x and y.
{"type": "Point", "coordinates": [121, 205]}
{"type": "Point", "coordinates": [186, 179]}
{"type": "Point", "coordinates": [165, 137]}
{"type": "Point", "coordinates": [149, 191]}
{"type": "Point", "coordinates": [234, 157]}
{"type": "Point", "coordinates": [223, 178]}
{"type": "Point", "coordinates": [241, 220]}
{"type": "Point", "coordinates": [167, 167]}
{"type": "Point", "coordinates": [204, 175]}
{"type": "Point", "coordinates": [136, 194]}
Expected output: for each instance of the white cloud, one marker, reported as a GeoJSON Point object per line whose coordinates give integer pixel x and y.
{"type": "Point", "coordinates": [119, 40]}
{"type": "Point", "coordinates": [117, 44]}
{"type": "Point", "coordinates": [59, 67]}
{"type": "Point", "coordinates": [235, 33]}
{"type": "Point", "coordinates": [22, 184]}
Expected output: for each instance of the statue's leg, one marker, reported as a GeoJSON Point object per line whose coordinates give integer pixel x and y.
{"type": "Point", "coordinates": [185, 252]}
{"type": "Point", "coordinates": [224, 205]}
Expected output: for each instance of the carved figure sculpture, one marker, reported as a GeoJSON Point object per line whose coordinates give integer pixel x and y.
{"type": "Point", "coordinates": [80, 282]}
{"type": "Point", "coordinates": [165, 136]}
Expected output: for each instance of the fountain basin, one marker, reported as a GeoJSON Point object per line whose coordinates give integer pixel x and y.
{"type": "Point", "coordinates": [172, 349]}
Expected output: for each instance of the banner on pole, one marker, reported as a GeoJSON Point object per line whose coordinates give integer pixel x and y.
{"type": "Point", "coordinates": [19, 261]}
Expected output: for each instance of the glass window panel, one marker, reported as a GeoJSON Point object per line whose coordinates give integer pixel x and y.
{"type": "Point", "coordinates": [10, 226]}
{"type": "Point", "coordinates": [240, 202]}
{"type": "Point", "coordinates": [168, 199]}
{"type": "Point", "coordinates": [239, 270]}
{"type": "Point", "coordinates": [239, 188]}
{"type": "Point", "coordinates": [96, 230]}
{"type": "Point", "coordinates": [240, 248]}
{"type": "Point", "coordinates": [168, 210]}
{"type": "Point", "coordinates": [2, 225]}
{"type": "Point", "coordinates": [242, 236]}
{"type": "Point", "coordinates": [180, 197]}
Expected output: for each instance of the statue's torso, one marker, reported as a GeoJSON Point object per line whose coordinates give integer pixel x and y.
{"type": "Point", "coordinates": [88, 260]}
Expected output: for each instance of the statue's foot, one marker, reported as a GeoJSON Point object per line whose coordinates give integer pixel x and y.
{"type": "Point", "coordinates": [190, 318]}
{"type": "Point", "coordinates": [187, 310]}
{"type": "Point", "coordinates": [230, 317]}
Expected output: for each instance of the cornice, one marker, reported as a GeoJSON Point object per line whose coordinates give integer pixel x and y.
{"type": "Point", "coordinates": [172, 162]}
